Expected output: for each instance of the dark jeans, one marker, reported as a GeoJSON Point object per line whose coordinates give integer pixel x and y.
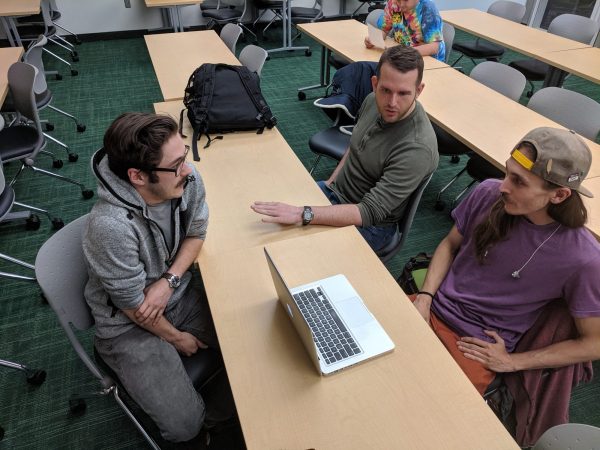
{"type": "Point", "coordinates": [376, 236]}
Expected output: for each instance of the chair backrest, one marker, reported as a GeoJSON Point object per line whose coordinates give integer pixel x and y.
{"type": "Point", "coordinates": [448, 33]}
{"type": "Point", "coordinates": [60, 270]}
{"type": "Point", "coordinates": [33, 56]}
{"type": "Point", "coordinates": [571, 26]}
{"type": "Point", "coordinates": [230, 35]}
{"type": "Point", "coordinates": [508, 10]}
{"type": "Point", "coordinates": [21, 79]}
{"type": "Point", "coordinates": [501, 78]}
{"type": "Point", "coordinates": [406, 222]}
{"type": "Point", "coordinates": [253, 57]}
{"type": "Point", "coordinates": [373, 17]}
{"type": "Point", "coordinates": [571, 109]}
{"type": "Point", "coordinates": [574, 436]}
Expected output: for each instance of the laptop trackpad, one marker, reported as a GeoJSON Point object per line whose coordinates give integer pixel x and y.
{"type": "Point", "coordinates": [354, 312]}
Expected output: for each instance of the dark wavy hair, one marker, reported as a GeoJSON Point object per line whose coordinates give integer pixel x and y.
{"type": "Point", "coordinates": [403, 59]}
{"type": "Point", "coordinates": [570, 213]}
{"type": "Point", "coordinates": [135, 140]}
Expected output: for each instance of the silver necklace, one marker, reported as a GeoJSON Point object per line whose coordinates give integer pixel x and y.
{"type": "Point", "coordinates": [516, 274]}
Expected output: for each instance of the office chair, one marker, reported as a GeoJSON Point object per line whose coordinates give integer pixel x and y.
{"type": "Point", "coordinates": [448, 33]}
{"type": "Point", "coordinates": [62, 275]}
{"type": "Point", "coordinates": [230, 34]}
{"type": "Point", "coordinates": [275, 6]}
{"type": "Point", "coordinates": [404, 224]}
{"type": "Point", "coordinates": [574, 436]}
{"type": "Point", "coordinates": [34, 377]}
{"type": "Point", "coordinates": [24, 140]}
{"type": "Point", "coordinates": [44, 96]}
{"type": "Point", "coordinates": [570, 109]}
{"type": "Point", "coordinates": [373, 6]}
{"type": "Point", "coordinates": [222, 16]}
{"type": "Point", "coordinates": [349, 87]}
{"type": "Point", "coordinates": [31, 32]}
{"type": "Point", "coordinates": [508, 82]}
{"type": "Point", "coordinates": [253, 57]}
{"type": "Point", "coordinates": [302, 14]}
{"type": "Point", "coordinates": [481, 49]}
{"type": "Point", "coordinates": [571, 26]}
{"type": "Point", "coordinates": [55, 15]}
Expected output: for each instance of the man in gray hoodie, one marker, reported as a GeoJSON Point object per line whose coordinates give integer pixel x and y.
{"type": "Point", "coordinates": [143, 234]}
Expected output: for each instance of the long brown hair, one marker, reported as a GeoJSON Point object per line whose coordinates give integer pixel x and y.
{"type": "Point", "coordinates": [570, 213]}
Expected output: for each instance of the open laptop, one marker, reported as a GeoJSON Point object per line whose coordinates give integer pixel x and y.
{"type": "Point", "coordinates": [334, 324]}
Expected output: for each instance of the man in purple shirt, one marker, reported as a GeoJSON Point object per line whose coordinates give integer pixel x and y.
{"type": "Point", "coordinates": [516, 246]}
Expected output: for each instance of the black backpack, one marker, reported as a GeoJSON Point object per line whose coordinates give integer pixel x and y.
{"type": "Point", "coordinates": [413, 274]}
{"type": "Point", "coordinates": [220, 98]}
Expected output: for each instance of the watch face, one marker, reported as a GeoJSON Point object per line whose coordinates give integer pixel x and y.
{"type": "Point", "coordinates": [174, 281]}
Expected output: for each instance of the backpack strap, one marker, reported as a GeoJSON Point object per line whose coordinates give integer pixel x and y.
{"type": "Point", "coordinates": [252, 88]}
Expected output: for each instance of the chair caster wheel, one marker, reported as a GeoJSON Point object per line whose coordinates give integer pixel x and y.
{"type": "Point", "coordinates": [49, 126]}
{"type": "Point", "coordinates": [77, 41]}
{"type": "Point", "coordinates": [57, 223]}
{"type": "Point", "coordinates": [77, 407]}
{"type": "Point", "coordinates": [74, 73]}
{"type": "Point", "coordinates": [87, 194]}
{"type": "Point", "coordinates": [32, 223]}
{"type": "Point", "coordinates": [455, 159]}
{"type": "Point", "coordinates": [440, 205]}
{"type": "Point", "coordinates": [57, 163]}
{"type": "Point", "coordinates": [58, 77]}
{"type": "Point", "coordinates": [307, 53]}
{"type": "Point", "coordinates": [73, 157]}
{"type": "Point", "coordinates": [75, 58]}
{"type": "Point", "coordinates": [80, 127]}
{"type": "Point", "coordinates": [44, 299]}
{"type": "Point", "coordinates": [301, 95]}
{"type": "Point", "coordinates": [1, 433]}
{"type": "Point", "coordinates": [74, 54]}
{"type": "Point", "coordinates": [37, 377]}
{"type": "Point", "coordinates": [529, 94]}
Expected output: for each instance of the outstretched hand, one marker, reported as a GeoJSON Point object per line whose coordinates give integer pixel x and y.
{"type": "Point", "coordinates": [368, 43]}
{"type": "Point", "coordinates": [277, 212]}
{"type": "Point", "coordinates": [492, 355]}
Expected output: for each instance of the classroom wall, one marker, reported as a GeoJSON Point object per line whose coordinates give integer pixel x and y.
{"type": "Point", "coordinates": [92, 16]}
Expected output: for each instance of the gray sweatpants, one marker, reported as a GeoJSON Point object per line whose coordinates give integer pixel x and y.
{"type": "Point", "coordinates": [151, 370]}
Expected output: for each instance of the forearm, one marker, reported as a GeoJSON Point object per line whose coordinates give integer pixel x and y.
{"type": "Point", "coordinates": [439, 266]}
{"type": "Point", "coordinates": [162, 328]}
{"type": "Point", "coordinates": [337, 215]}
{"type": "Point", "coordinates": [187, 254]}
{"type": "Point", "coordinates": [561, 354]}
{"type": "Point", "coordinates": [335, 173]}
{"type": "Point", "coordinates": [428, 49]}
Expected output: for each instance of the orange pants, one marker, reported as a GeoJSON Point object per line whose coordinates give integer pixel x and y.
{"type": "Point", "coordinates": [474, 370]}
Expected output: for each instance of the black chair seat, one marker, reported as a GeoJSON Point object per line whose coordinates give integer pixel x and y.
{"type": "Point", "coordinates": [31, 32]}
{"type": "Point", "coordinates": [7, 198]}
{"type": "Point", "coordinates": [300, 12]}
{"type": "Point", "coordinates": [337, 61]}
{"type": "Point", "coordinates": [330, 142]}
{"type": "Point", "coordinates": [17, 142]}
{"type": "Point", "coordinates": [479, 49]}
{"type": "Point", "coordinates": [37, 18]}
{"type": "Point", "coordinates": [448, 144]}
{"type": "Point", "coordinates": [269, 4]}
{"type": "Point", "coordinates": [533, 69]}
{"type": "Point", "coordinates": [222, 14]}
{"type": "Point", "coordinates": [480, 169]}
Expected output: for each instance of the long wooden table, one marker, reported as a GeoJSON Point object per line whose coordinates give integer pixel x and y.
{"type": "Point", "coordinates": [413, 398]}
{"type": "Point", "coordinates": [346, 38]}
{"type": "Point", "coordinates": [583, 62]}
{"type": "Point", "coordinates": [174, 12]}
{"type": "Point", "coordinates": [240, 169]}
{"type": "Point", "coordinates": [8, 56]}
{"type": "Point", "coordinates": [547, 47]}
{"type": "Point", "coordinates": [176, 55]}
{"type": "Point", "coordinates": [483, 119]}
{"type": "Point", "coordinates": [9, 9]}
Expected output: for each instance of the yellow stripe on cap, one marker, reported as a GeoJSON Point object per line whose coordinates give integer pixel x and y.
{"type": "Point", "coordinates": [522, 159]}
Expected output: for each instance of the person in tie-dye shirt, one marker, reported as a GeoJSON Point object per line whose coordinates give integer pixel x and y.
{"type": "Point", "coordinates": [413, 23]}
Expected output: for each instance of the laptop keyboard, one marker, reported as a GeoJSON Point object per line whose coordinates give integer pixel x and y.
{"type": "Point", "coordinates": [334, 341]}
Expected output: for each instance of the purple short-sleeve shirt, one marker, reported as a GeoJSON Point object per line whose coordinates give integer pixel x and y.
{"type": "Point", "coordinates": [475, 297]}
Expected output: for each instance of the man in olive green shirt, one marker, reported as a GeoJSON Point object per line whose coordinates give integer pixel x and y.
{"type": "Point", "coordinates": [392, 150]}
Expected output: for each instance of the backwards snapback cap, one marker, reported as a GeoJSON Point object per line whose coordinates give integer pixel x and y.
{"type": "Point", "coordinates": [562, 157]}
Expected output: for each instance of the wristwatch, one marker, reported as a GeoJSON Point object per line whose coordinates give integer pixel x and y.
{"type": "Point", "coordinates": [307, 215]}
{"type": "Point", "coordinates": [174, 280]}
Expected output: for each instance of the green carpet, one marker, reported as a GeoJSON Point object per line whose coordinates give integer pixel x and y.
{"type": "Point", "coordinates": [117, 76]}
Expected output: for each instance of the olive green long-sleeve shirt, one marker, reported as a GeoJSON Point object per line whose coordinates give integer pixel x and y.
{"type": "Point", "coordinates": [386, 163]}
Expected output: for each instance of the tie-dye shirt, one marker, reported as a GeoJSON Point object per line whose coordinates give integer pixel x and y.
{"type": "Point", "coordinates": [422, 26]}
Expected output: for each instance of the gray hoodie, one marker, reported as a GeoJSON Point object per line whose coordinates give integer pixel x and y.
{"type": "Point", "coordinates": [125, 250]}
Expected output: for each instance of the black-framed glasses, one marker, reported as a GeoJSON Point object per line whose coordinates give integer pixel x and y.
{"type": "Point", "coordinates": [175, 170]}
